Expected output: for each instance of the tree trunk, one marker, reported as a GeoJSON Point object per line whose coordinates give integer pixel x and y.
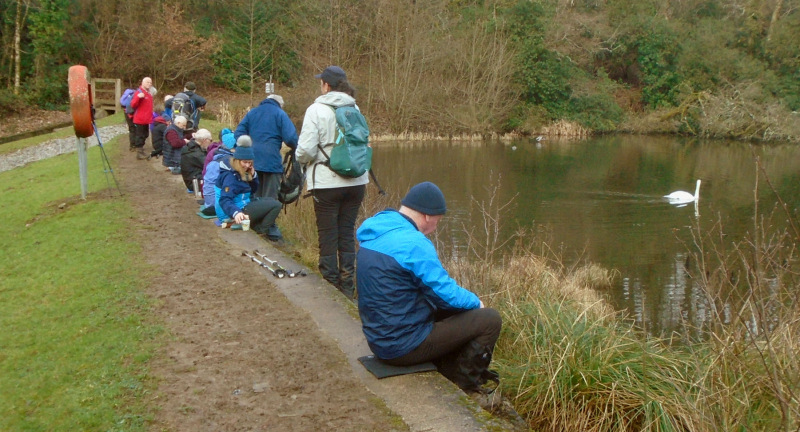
{"type": "Point", "coordinates": [18, 23]}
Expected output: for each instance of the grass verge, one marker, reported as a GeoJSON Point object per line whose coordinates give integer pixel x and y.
{"type": "Point", "coordinates": [77, 327]}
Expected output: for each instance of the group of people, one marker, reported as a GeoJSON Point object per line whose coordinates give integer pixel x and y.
{"type": "Point", "coordinates": [411, 310]}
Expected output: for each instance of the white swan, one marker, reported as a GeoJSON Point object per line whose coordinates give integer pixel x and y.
{"type": "Point", "coordinates": [683, 197]}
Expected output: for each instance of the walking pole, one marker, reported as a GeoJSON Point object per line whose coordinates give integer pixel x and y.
{"type": "Point", "coordinates": [278, 273]}
{"type": "Point", "coordinates": [289, 273]}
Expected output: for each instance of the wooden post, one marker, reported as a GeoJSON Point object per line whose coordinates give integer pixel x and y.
{"type": "Point", "coordinates": [117, 95]}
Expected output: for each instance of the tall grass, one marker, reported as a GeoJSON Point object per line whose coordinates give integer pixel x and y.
{"type": "Point", "coordinates": [76, 329]}
{"type": "Point", "coordinates": [569, 362]}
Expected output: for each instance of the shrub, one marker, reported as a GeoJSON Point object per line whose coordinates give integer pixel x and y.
{"type": "Point", "coordinates": [598, 112]}
{"type": "Point", "coordinates": [10, 103]}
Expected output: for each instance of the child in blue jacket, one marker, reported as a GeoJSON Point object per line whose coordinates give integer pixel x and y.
{"type": "Point", "coordinates": [234, 191]}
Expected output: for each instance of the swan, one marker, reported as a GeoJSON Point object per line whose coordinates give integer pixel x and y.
{"type": "Point", "coordinates": [683, 197]}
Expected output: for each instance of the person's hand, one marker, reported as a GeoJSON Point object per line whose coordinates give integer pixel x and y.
{"type": "Point", "coordinates": [140, 95]}
{"type": "Point", "coordinates": [239, 217]}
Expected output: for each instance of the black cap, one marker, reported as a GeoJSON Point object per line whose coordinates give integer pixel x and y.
{"type": "Point", "coordinates": [332, 75]}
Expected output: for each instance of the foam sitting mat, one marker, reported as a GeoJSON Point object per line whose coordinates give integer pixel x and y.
{"type": "Point", "coordinates": [382, 370]}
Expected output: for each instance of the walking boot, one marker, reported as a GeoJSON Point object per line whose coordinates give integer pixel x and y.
{"type": "Point", "coordinates": [140, 154]}
{"type": "Point", "coordinates": [347, 269]}
{"type": "Point", "coordinates": [329, 269]}
{"type": "Point", "coordinates": [468, 367]}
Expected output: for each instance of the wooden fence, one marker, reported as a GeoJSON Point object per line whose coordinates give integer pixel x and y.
{"type": "Point", "coordinates": [106, 93]}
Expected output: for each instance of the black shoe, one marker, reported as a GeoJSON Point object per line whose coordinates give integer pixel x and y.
{"type": "Point", "coordinates": [276, 241]}
{"type": "Point", "coordinates": [490, 375]}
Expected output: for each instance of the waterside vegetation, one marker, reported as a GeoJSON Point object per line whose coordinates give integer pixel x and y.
{"type": "Point", "coordinates": [568, 361]}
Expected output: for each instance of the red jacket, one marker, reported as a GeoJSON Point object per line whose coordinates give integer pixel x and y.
{"type": "Point", "coordinates": [143, 106]}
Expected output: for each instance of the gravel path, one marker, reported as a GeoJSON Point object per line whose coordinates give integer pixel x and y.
{"type": "Point", "coordinates": [56, 147]}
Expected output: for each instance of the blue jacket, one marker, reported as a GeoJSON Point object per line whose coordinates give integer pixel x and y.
{"type": "Point", "coordinates": [401, 284]}
{"type": "Point", "coordinates": [269, 127]}
{"type": "Point", "coordinates": [231, 192]}
{"type": "Point", "coordinates": [211, 175]}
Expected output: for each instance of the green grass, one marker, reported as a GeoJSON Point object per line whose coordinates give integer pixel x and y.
{"type": "Point", "coordinates": [77, 327]}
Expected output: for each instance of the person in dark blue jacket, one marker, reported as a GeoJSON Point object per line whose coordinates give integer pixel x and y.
{"type": "Point", "coordinates": [234, 193]}
{"type": "Point", "coordinates": [269, 127]}
{"type": "Point", "coordinates": [411, 310]}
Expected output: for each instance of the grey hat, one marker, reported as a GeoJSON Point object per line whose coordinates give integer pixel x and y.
{"type": "Point", "coordinates": [332, 75]}
{"type": "Point", "coordinates": [277, 98]}
{"type": "Point", "coordinates": [425, 198]}
{"type": "Point", "coordinates": [244, 140]}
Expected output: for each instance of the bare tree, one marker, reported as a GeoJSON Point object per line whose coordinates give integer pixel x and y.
{"type": "Point", "coordinates": [19, 22]}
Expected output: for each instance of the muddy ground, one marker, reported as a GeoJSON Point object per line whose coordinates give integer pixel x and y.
{"type": "Point", "coordinates": [238, 355]}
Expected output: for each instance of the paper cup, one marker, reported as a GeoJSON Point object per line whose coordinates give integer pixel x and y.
{"type": "Point", "coordinates": [246, 225]}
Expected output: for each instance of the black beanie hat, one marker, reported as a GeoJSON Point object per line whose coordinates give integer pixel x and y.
{"type": "Point", "coordinates": [425, 198]}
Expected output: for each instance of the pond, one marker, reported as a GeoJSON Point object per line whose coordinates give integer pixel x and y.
{"type": "Point", "coordinates": [601, 200]}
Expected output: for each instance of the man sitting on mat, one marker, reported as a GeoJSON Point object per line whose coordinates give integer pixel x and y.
{"type": "Point", "coordinates": [411, 310]}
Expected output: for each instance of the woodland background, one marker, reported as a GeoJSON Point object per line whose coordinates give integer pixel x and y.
{"type": "Point", "coordinates": [709, 68]}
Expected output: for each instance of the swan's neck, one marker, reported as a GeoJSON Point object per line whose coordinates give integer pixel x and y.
{"type": "Point", "coordinates": [697, 192]}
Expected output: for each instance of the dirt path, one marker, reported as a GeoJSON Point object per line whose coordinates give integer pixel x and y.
{"type": "Point", "coordinates": [240, 356]}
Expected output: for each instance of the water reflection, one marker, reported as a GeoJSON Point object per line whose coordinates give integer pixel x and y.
{"type": "Point", "coordinates": [601, 200]}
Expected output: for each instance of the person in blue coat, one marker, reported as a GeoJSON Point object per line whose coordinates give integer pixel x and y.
{"type": "Point", "coordinates": [236, 184]}
{"type": "Point", "coordinates": [411, 310]}
{"type": "Point", "coordinates": [269, 127]}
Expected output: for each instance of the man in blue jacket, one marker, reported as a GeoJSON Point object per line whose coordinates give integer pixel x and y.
{"type": "Point", "coordinates": [269, 127]}
{"type": "Point", "coordinates": [411, 310]}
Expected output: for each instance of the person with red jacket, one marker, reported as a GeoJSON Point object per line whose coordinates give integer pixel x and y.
{"type": "Point", "coordinates": [142, 104]}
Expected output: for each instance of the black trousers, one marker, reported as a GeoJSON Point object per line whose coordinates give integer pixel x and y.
{"type": "Point", "coordinates": [336, 210]}
{"type": "Point", "coordinates": [142, 132]}
{"type": "Point", "coordinates": [262, 213]}
{"type": "Point", "coordinates": [131, 131]}
{"type": "Point", "coordinates": [453, 332]}
{"type": "Point", "coordinates": [268, 184]}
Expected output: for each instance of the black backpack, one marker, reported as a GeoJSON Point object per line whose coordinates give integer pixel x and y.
{"type": "Point", "coordinates": [183, 105]}
{"type": "Point", "coordinates": [292, 181]}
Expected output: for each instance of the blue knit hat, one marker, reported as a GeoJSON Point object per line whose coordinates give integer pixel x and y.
{"type": "Point", "coordinates": [244, 150]}
{"type": "Point", "coordinates": [227, 139]}
{"type": "Point", "coordinates": [425, 198]}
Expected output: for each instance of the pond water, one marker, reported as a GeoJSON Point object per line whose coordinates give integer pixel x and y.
{"type": "Point", "coordinates": [601, 200]}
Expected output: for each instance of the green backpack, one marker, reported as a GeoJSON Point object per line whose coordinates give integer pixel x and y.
{"type": "Point", "coordinates": [351, 155]}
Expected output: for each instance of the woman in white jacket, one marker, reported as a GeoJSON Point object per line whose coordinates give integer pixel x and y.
{"type": "Point", "coordinates": [336, 198]}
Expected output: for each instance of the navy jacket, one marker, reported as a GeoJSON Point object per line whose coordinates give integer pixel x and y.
{"type": "Point", "coordinates": [401, 284]}
{"type": "Point", "coordinates": [231, 191]}
{"type": "Point", "coordinates": [269, 127]}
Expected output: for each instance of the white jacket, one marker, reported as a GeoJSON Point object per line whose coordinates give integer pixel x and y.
{"type": "Point", "coordinates": [319, 127]}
